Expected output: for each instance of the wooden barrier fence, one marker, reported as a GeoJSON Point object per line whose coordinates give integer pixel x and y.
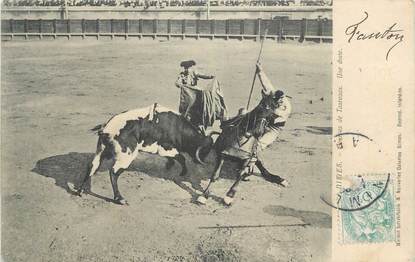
{"type": "Point", "coordinates": [278, 29]}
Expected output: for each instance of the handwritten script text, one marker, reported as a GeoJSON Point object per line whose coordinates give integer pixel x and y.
{"type": "Point", "coordinates": [391, 33]}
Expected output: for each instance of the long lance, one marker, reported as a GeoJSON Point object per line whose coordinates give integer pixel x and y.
{"type": "Point", "coordinates": [253, 81]}
{"type": "Point", "coordinates": [257, 61]}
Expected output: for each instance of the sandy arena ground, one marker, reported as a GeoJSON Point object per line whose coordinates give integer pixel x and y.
{"type": "Point", "coordinates": [53, 92]}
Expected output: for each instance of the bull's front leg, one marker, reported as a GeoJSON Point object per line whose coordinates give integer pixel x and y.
{"type": "Point", "coordinates": [182, 161]}
{"type": "Point", "coordinates": [215, 176]}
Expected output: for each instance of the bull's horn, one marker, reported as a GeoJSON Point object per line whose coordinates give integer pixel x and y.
{"type": "Point", "coordinates": [212, 132]}
{"type": "Point", "coordinates": [198, 157]}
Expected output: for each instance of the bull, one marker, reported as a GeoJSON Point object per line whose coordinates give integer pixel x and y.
{"type": "Point", "coordinates": [154, 129]}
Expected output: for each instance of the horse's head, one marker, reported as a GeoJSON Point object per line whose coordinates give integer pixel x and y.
{"type": "Point", "coordinates": [272, 101]}
{"type": "Point", "coordinates": [265, 111]}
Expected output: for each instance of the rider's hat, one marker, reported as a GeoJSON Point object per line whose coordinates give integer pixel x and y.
{"type": "Point", "coordinates": [188, 63]}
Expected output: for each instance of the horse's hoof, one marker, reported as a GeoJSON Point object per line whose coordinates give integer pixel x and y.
{"type": "Point", "coordinates": [228, 200]}
{"type": "Point", "coordinates": [285, 183]}
{"type": "Point", "coordinates": [201, 200]}
{"type": "Point", "coordinates": [121, 201]}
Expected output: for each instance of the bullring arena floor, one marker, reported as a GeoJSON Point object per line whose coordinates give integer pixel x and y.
{"type": "Point", "coordinates": [53, 92]}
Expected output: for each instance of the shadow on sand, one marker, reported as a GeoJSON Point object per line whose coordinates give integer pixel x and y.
{"type": "Point", "coordinates": [70, 169]}
{"type": "Point", "coordinates": [312, 218]}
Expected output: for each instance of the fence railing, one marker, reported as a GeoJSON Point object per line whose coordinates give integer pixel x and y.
{"type": "Point", "coordinates": [278, 29]}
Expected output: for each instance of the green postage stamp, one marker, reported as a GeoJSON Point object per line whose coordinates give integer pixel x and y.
{"type": "Point", "coordinates": [368, 211]}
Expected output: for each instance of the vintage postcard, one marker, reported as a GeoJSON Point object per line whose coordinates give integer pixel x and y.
{"type": "Point", "coordinates": [201, 130]}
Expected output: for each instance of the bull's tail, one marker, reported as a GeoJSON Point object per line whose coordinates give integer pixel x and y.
{"type": "Point", "coordinates": [98, 128]}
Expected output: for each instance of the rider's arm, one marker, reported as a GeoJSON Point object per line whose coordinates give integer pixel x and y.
{"type": "Point", "coordinates": [265, 82]}
{"type": "Point", "coordinates": [203, 76]}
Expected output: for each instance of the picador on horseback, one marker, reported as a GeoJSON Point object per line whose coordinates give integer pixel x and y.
{"type": "Point", "coordinates": [280, 114]}
{"type": "Point", "coordinates": [246, 135]}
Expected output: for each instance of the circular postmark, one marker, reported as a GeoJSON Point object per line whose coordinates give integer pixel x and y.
{"type": "Point", "coordinates": [356, 137]}
{"type": "Point", "coordinates": [356, 152]}
{"type": "Point", "coordinates": [359, 197]}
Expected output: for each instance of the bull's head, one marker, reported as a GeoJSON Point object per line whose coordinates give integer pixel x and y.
{"type": "Point", "coordinates": [204, 148]}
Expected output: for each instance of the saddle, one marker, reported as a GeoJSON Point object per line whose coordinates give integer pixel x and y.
{"type": "Point", "coordinates": [234, 121]}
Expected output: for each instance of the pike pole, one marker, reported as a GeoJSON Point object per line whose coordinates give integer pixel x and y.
{"type": "Point", "coordinates": [257, 61]}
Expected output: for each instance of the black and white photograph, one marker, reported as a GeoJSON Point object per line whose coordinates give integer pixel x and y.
{"type": "Point", "coordinates": [166, 130]}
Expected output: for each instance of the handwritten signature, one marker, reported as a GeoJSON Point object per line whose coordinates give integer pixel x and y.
{"type": "Point", "coordinates": [389, 34]}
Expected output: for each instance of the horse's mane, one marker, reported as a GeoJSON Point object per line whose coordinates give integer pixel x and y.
{"type": "Point", "coordinates": [246, 121]}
